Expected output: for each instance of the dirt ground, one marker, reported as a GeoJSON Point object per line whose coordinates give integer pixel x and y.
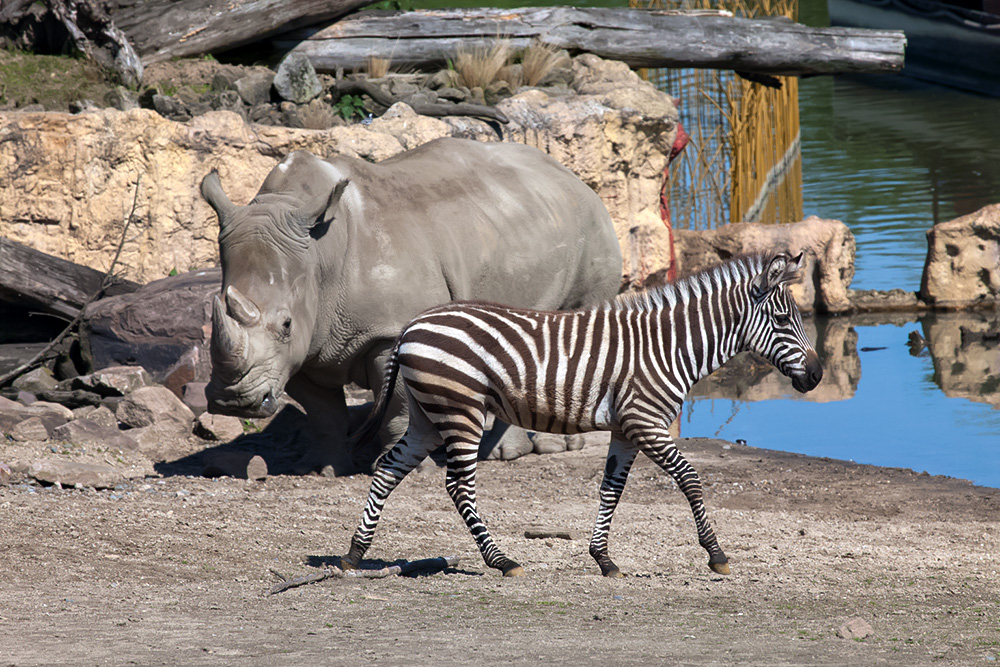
{"type": "Point", "coordinates": [171, 569]}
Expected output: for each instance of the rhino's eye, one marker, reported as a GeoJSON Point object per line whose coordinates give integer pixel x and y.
{"type": "Point", "coordinates": [286, 327]}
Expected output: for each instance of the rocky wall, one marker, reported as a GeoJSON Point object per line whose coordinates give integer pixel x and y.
{"type": "Point", "coordinates": [67, 182]}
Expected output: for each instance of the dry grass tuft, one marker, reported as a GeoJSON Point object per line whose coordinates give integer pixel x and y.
{"type": "Point", "coordinates": [318, 115]}
{"type": "Point", "coordinates": [482, 65]}
{"type": "Point", "coordinates": [539, 60]}
{"type": "Point", "coordinates": [378, 67]}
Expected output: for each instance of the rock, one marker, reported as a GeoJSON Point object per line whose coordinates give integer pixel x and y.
{"type": "Point", "coordinates": [828, 246]}
{"type": "Point", "coordinates": [162, 442]}
{"type": "Point", "coordinates": [113, 380]}
{"type": "Point", "coordinates": [121, 98]}
{"type": "Point", "coordinates": [31, 429]}
{"type": "Point", "coordinates": [26, 398]}
{"type": "Point", "coordinates": [855, 628]}
{"type": "Point", "coordinates": [163, 329]}
{"type": "Point", "coordinates": [35, 381]}
{"type": "Point", "coordinates": [156, 405]}
{"type": "Point", "coordinates": [103, 416]}
{"type": "Point", "coordinates": [170, 108]}
{"type": "Point", "coordinates": [296, 80]}
{"type": "Point", "coordinates": [218, 427]}
{"type": "Point", "coordinates": [450, 94]}
{"type": "Point", "coordinates": [227, 100]}
{"type": "Point", "coordinates": [548, 532]}
{"type": "Point", "coordinates": [963, 261]}
{"type": "Point", "coordinates": [255, 88]}
{"type": "Point", "coordinates": [88, 433]}
{"type": "Point", "coordinates": [73, 399]}
{"type": "Point", "coordinates": [74, 473]}
{"type": "Point", "coordinates": [234, 464]}
{"type": "Point", "coordinates": [224, 79]}
{"type": "Point", "coordinates": [193, 395]}
{"type": "Point", "coordinates": [51, 414]}
{"type": "Point", "coordinates": [873, 301]}
{"type": "Point", "coordinates": [548, 443]}
{"type": "Point", "coordinates": [441, 79]}
{"type": "Point", "coordinates": [5, 474]}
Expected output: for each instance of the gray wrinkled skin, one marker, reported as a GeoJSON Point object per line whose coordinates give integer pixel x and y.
{"type": "Point", "coordinates": [331, 259]}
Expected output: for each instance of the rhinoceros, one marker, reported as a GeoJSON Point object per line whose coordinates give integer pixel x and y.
{"type": "Point", "coordinates": [328, 262]}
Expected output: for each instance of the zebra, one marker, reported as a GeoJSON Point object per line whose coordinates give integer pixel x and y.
{"type": "Point", "coordinates": [624, 367]}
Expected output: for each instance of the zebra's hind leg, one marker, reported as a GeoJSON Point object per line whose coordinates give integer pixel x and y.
{"type": "Point", "coordinates": [621, 455]}
{"type": "Point", "coordinates": [660, 448]}
{"type": "Point", "coordinates": [390, 471]}
{"type": "Point", "coordinates": [461, 485]}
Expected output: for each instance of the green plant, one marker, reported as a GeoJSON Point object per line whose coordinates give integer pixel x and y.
{"type": "Point", "coordinates": [349, 106]}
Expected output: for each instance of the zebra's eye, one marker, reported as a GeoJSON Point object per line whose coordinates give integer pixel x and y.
{"type": "Point", "coordinates": [782, 320]}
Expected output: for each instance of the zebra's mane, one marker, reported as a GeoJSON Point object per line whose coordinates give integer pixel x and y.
{"type": "Point", "coordinates": [735, 271]}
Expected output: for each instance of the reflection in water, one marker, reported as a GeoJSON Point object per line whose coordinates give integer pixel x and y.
{"type": "Point", "coordinates": [938, 411]}
{"type": "Point", "coordinates": [965, 349]}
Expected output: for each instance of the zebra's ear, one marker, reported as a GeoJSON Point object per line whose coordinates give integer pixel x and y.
{"type": "Point", "coordinates": [781, 269]}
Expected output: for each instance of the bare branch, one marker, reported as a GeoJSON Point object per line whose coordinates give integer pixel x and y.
{"type": "Point", "coordinates": [426, 565]}
{"type": "Point", "coordinates": [109, 277]}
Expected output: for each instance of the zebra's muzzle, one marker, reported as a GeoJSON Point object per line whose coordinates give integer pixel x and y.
{"type": "Point", "coordinates": [810, 376]}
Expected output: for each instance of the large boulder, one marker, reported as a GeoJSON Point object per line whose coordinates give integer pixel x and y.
{"type": "Point", "coordinates": [66, 181]}
{"type": "Point", "coordinates": [828, 246]}
{"type": "Point", "coordinates": [963, 261]}
{"type": "Point", "coordinates": [165, 327]}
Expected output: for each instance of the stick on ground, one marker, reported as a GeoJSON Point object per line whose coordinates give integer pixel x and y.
{"type": "Point", "coordinates": [424, 566]}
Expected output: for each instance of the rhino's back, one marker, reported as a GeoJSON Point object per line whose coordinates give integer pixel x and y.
{"type": "Point", "coordinates": [460, 219]}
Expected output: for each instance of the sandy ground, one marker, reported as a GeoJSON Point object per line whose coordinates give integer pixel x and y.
{"type": "Point", "coordinates": [174, 569]}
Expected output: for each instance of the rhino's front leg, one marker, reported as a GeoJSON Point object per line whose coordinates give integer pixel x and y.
{"type": "Point", "coordinates": [326, 412]}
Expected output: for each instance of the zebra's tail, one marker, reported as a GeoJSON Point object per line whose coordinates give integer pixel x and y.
{"type": "Point", "coordinates": [369, 429]}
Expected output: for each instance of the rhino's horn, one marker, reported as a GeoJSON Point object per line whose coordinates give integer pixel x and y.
{"type": "Point", "coordinates": [241, 308]}
{"type": "Point", "coordinates": [211, 190]}
{"type": "Point", "coordinates": [228, 338]}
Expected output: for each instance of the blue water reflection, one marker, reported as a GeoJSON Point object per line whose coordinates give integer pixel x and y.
{"type": "Point", "coordinates": [897, 416]}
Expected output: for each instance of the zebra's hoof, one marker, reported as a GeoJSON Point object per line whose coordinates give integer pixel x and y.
{"type": "Point", "coordinates": [514, 571]}
{"type": "Point", "coordinates": [719, 568]}
{"type": "Point", "coordinates": [346, 564]}
{"type": "Point", "coordinates": [613, 573]}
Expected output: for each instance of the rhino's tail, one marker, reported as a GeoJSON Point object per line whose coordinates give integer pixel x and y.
{"type": "Point", "coordinates": [369, 429]}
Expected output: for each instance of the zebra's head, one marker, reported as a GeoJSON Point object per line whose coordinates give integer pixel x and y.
{"type": "Point", "coordinates": [775, 325]}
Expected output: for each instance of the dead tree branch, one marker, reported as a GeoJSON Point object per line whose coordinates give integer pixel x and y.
{"type": "Point", "coordinates": [106, 282]}
{"type": "Point", "coordinates": [425, 566]}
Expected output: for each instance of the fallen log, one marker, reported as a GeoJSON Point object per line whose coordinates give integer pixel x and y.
{"type": "Point", "coordinates": [638, 37]}
{"type": "Point", "coordinates": [38, 281]}
{"type": "Point", "coordinates": [165, 29]}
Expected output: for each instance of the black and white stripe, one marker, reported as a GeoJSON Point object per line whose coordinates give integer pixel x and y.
{"type": "Point", "coordinates": [623, 367]}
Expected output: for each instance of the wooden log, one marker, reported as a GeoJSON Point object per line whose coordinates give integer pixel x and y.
{"type": "Point", "coordinates": [165, 29]}
{"type": "Point", "coordinates": [640, 38]}
{"type": "Point", "coordinates": [33, 279]}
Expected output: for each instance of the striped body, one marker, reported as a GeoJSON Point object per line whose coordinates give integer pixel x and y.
{"type": "Point", "coordinates": [623, 367]}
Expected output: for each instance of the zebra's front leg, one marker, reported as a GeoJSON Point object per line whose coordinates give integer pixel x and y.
{"type": "Point", "coordinates": [621, 454]}
{"type": "Point", "coordinates": [461, 485]}
{"type": "Point", "coordinates": [389, 472]}
{"type": "Point", "coordinates": [660, 448]}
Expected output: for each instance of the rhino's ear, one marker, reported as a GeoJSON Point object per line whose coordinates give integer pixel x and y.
{"type": "Point", "coordinates": [211, 190]}
{"type": "Point", "coordinates": [324, 211]}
